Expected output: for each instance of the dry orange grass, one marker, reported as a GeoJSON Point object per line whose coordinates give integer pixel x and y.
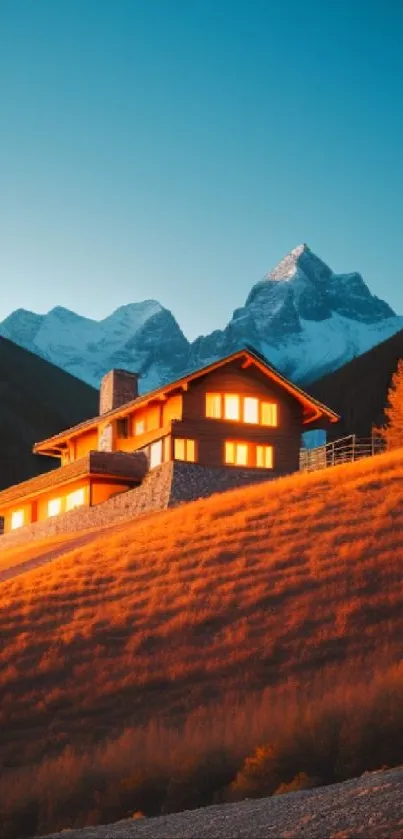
{"type": "Point", "coordinates": [154, 618]}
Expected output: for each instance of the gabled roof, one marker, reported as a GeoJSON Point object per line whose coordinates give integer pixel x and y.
{"type": "Point", "coordinates": [312, 408]}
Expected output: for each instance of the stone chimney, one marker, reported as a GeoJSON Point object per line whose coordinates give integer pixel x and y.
{"type": "Point", "coordinates": [117, 388]}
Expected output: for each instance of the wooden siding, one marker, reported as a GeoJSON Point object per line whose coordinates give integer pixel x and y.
{"type": "Point", "coordinates": [211, 434]}
{"type": "Point", "coordinates": [85, 443]}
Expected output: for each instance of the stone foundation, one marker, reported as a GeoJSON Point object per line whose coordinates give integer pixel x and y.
{"type": "Point", "coordinates": [165, 486]}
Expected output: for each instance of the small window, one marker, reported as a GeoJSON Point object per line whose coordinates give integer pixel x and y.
{"type": "Point", "coordinates": [184, 450]}
{"type": "Point", "coordinates": [251, 410]}
{"type": "Point", "coordinates": [213, 405]}
{"type": "Point", "coordinates": [231, 406]}
{"type": "Point", "coordinates": [75, 499]}
{"type": "Point", "coordinates": [268, 413]}
{"type": "Point", "coordinates": [139, 426]}
{"type": "Point", "coordinates": [236, 453]}
{"type": "Point", "coordinates": [54, 506]}
{"type": "Point", "coordinates": [17, 519]}
{"type": "Point", "coordinates": [122, 427]}
{"type": "Point", "coordinates": [167, 449]}
{"type": "Point", "coordinates": [155, 454]}
{"type": "Point", "coordinates": [264, 457]}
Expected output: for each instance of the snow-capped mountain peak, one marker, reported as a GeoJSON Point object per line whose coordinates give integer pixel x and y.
{"type": "Point", "coordinates": [287, 266]}
{"type": "Point", "coordinates": [306, 319]}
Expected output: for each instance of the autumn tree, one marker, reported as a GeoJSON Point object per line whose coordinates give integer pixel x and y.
{"type": "Point", "coordinates": [392, 432]}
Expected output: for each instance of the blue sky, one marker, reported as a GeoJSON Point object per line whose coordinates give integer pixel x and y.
{"type": "Point", "coordinates": [177, 149]}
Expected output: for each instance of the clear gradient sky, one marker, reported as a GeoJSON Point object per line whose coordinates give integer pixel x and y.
{"type": "Point", "coordinates": [177, 149]}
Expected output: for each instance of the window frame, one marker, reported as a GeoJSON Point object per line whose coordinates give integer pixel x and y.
{"type": "Point", "coordinates": [236, 445]}
{"type": "Point", "coordinates": [188, 442]}
{"type": "Point", "coordinates": [19, 513]}
{"type": "Point", "coordinates": [56, 512]}
{"type": "Point", "coordinates": [122, 428]}
{"type": "Point", "coordinates": [265, 448]}
{"type": "Point", "coordinates": [273, 407]}
{"type": "Point", "coordinates": [214, 395]}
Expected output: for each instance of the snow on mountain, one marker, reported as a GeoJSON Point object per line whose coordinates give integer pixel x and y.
{"type": "Point", "coordinates": [306, 319]}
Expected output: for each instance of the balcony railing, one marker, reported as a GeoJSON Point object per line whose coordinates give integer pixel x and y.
{"type": "Point", "coordinates": [344, 450]}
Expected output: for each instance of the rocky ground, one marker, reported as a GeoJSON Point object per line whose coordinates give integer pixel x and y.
{"type": "Point", "coordinates": [370, 807]}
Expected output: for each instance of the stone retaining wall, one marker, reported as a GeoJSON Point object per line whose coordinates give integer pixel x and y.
{"type": "Point", "coordinates": [191, 481]}
{"type": "Point", "coordinates": [165, 486]}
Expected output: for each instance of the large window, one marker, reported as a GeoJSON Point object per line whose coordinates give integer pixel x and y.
{"type": "Point", "coordinates": [75, 499]}
{"type": "Point", "coordinates": [54, 506]}
{"type": "Point", "coordinates": [155, 454]}
{"type": "Point", "coordinates": [184, 449]}
{"type": "Point", "coordinates": [236, 453]}
{"type": "Point", "coordinates": [17, 519]}
{"type": "Point", "coordinates": [231, 406]}
{"type": "Point", "coordinates": [248, 454]}
{"type": "Point", "coordinates": [268, 414]}
{"type": "Point", "coordinates": [213, 405]}
{"type": "Point", "coordinates": [264, 457]}
{"type": "Point", "coordinates": [236, 408]}
{"type": "Point", "coordinates": [251, 409]}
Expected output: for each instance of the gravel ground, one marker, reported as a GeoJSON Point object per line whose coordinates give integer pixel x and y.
{"type": "Point", "coordinates": [370, 807]}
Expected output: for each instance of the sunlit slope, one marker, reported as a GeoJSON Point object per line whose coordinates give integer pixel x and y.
{"type": "Point", "coordinates": [245, 589]}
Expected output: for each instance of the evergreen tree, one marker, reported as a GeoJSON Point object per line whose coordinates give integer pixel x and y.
{"type": "Point", "coordinates": [392, 432]}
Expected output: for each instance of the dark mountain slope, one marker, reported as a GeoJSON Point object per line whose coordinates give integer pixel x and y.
{"type": "Point", "coordinates": [37, 399]}
{"type": "Point", "coordinates": [358, 390]}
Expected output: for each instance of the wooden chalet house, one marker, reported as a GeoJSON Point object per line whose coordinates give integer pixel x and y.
{"type": "Point", "coordinates": [238, 414]}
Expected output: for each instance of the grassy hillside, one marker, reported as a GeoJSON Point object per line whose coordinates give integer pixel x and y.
{"type": "Point", "coordinates": [358, 390]}
{"type": "Point", "coordinates": [212, 626]}
{"type": "Point", "coordinates": [38, 399]}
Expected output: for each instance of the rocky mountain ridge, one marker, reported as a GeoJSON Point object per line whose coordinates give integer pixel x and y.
{"type": "Point", "coordinates": [306, 319]}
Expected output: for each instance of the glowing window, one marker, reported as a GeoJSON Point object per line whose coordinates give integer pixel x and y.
{"type": "Point", "coordinates": [184, 450]}
{"type": "Point", "coordinates": [231, 406]}
{"type": "Point", "coordinates": [155, 454]}
{"type": "Point", "coordinates": [17, 519]}
{"type": "Point", "coordinates": [251, 409]}
{"type": "Point", "coordinates": [264, 457]}
{"type": "Point", "coordinates": [139, 426]}
{"type": "Point", "coordinates": [268, 413]}
{"type": "Point", "coordinates": [75, 499]}
{"type": "Point", "coordinates": [167, 449]}
{"type": "Point", "coordinates": [236, 453]}
{"type": "Point", "coordinates": [213, 405]}
{"type": "Point", "coordinates": [54, 506]}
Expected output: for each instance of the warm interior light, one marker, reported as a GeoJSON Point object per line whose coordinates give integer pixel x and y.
{"type": "Point", "coordinates": [190, 451]}
{"type": "Point", "coordinates": [251, 409]}
{"type": "Point", "coordinates": [231, 406]}
{"type": "Point", "coordinates": [268, 413]}
{"type": "Point", "coordinates": [54, 506]}
{"type": "Point", "coordinates": [184, 449]}
{"type": "Point", "coordinates": [75, 499]}
{"type": "Point", "coordinates": [155, 454]}
{"type": "Point", "coordinates": [179, 449]}
{"type": "Point", "coordinates": [236, 453]}
{"type": "Point", "coordinates": [139, 427]}
{"type": "Point", "coordinates": [213, 405]}
{"type": "Point", "coordinates": [264, 457]}
{"type": "Point", "coordinates": [17, 519]}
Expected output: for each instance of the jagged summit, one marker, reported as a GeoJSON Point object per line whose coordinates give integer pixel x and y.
{"type": "Point", "coordinates": [287, 266]}
{"type": "Point", "coordinates": [305, 318]}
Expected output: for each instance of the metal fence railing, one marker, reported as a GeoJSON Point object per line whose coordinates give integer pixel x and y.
{"type": "Point", "coordinates": [344, 450]}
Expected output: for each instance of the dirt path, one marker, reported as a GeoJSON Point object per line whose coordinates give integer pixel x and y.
{"type": "Point", "coordinates": [370, 807]}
